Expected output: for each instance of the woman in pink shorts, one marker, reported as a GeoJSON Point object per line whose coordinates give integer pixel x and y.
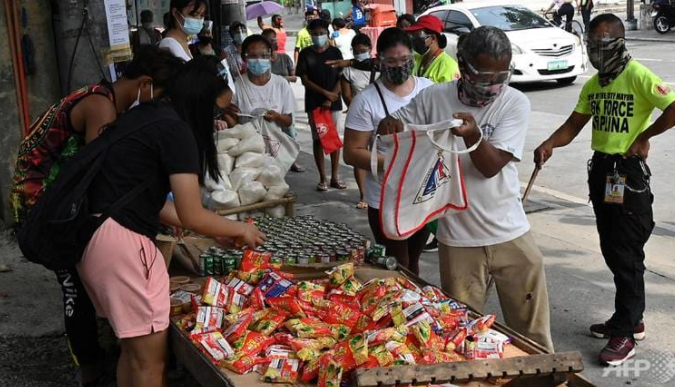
{"type": "Point", "coordinates": [122, 270]}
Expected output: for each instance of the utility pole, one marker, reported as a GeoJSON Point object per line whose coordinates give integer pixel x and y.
{"type": "Point", "coordinates": [226, 12]}
{"type": "Point", "coordinates": [85, 67]}
{"type": "Point", "coordinates": [631, 21]}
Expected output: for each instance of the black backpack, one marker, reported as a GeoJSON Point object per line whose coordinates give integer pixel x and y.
{"type": "Point", "coordinates": [60, 225]}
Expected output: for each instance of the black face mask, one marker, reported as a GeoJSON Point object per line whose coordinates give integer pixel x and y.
{"type": "Point", "coordinates": [205, 39]}
{"type": "Point", "coordinates": [399, 74]}
{"type": "Point", "coordinates": [420, 45]}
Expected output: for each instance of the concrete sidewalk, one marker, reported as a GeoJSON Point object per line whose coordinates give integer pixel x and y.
{"type": "Point", "coordinates": [650, 36]}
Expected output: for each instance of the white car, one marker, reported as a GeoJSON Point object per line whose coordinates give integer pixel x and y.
{"type": "Point", "coordinates": [541, 51]}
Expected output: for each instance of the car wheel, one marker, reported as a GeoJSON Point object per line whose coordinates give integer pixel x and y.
{"type": "Point", "coordinates": [661, 24]}
{"type": "Point", "coordinates": [566, 81]}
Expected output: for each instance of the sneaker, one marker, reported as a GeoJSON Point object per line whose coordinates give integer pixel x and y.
{"type": "Point", "coordinates": [431, 246]}
{"type": "Point", "coordinates": [617, 351]}
{"type": "Point", "coordinates": [602, 332]}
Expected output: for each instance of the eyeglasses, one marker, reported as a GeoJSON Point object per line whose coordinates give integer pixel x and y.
{"type": "Point", "coordinates": [394, 61]}
{"type": "Point", "coordinates": [258, 55]}
{"type": "Point", "coordinates": [493, 77]}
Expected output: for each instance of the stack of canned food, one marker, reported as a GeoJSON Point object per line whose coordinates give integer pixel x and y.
{"type": "Point", "coordinates": [302, 240]}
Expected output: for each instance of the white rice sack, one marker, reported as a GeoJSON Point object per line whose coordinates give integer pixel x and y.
{"type": "Point", "coordinates": [222, 200]}
{"type": "Point", "coordinates": [206, 198]}
{"type": "Point", "coordinates": [271, 175]}
{"type": "Point", "coordinates": [221, 184]}
{"type": "Point", "coordinates": [239, 132]}
{"type": "Point", "coordinates": [226, 144]}
{"type": "Point", "coordinates": [241, 176]}
{"type": "Point", "coordinates": [277, 191]}
{"type": "Point", "coordinates": [225, 163]}
{"type": "Point", "coordinates": [252, 192]}
{"type": "Point", "coordinates": [232, 217]}
{"type": "Point", "coordinates": [276, 212]}
{"type": "Point", "coordinates": [250, 160]}
{"type": "Point", "coordinates": [242, 216]}
{"type": "Point", "coordinates": [254, 143]}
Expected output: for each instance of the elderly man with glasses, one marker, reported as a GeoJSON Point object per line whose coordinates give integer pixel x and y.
{"type": "Point", "coordinates": [491, 238]}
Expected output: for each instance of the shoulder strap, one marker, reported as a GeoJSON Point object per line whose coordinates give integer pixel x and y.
{"type": "Point", "coordinates": [372, 76]}
{"type": "Point", "coordinates": [384, 104]}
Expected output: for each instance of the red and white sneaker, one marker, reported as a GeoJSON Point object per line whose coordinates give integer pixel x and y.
{"type": "Point", "coordinates": [601, 331]}
{"type": "Point", "coordinates": [617, 351]}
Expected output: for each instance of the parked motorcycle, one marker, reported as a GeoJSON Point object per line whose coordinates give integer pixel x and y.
{"type": "Point", "coordinates": [663, 15]}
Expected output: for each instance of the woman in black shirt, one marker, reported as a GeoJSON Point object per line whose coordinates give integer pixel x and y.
{"type": "Point", "coordinates": [122, 270]}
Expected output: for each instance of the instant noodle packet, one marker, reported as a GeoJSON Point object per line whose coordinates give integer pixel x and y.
{"type": "Point", "coordinates": [388, 334]}
{"type": "Point", "coordinates": [309, 291]}
{"type": "Point", "coordinates": [209, 319]}
{"type": "Point", "coordinates": [340, 274]}
{"type": "Point", "coordinates": [286, 304]}
{"type": "Point", "coordinates": [272, 320]}
{"type": "Point", "coordinates": [254, 260]}
{"type": "Point", "coordinates": [214, 345]}
{"type": "Point", "coordinates": [252, 343]}
{"type": "Point", "coordinates": [330, 372]}
{"type": "Point", "coordinates": [282, 370]}
{"type": "Point", "coordinates": [426, 337]}
{"type": "Point", "coordinates": [243, 364]}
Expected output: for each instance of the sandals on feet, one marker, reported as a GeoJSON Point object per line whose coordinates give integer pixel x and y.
{"type": "Point", "coordinates": [338, 185]}
{"type": "Point", "coordinates": [322, 187]}
{"type": "Point", "coordinates": [362, 205]}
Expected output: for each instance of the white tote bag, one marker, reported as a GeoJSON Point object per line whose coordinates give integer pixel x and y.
{"type": "Point", "coordinates": [423, 177]}
{"type": "Point", "coordinates": [278, 144]}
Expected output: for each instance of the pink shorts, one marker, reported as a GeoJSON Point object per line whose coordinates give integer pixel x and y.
{"type": "Point", "coordinates": [126, 277]}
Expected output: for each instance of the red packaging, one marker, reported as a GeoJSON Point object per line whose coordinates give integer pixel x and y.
{"type": "Point", "coordinates": [209, 319]}
{"type": "Point", "coordinates": [383, 336]}
{"type": "Point", "coordinates": [308, 291]}
{"type": "Point", "coordinates": [214, 346]}
{"type": "Point", "coordinates": [257, 300]}
{"type": "Point", "coordinates": [238, 329]}
{"type": "Point", "coordinates": [426, 338]}
{"type": "Point", "coordinates": [310, 371]}
{"type": "Point", "coordinates": [339, 313]}
{"type": "Point", "coordinates": [282, 370]}
{"type": "Point", "coordinates": [433, 293]}
{"type": "Point", "coordinates": [330, 372]}
{"type": "Point", "coordinates": [268, 324]}
{"type": "Point", "coordinates": [342, 297]}
{"type": "Point", "coordinates": [244, 364]}
{"type": "Point", "coordinates": [286, 304]}
{"type": "Point", "coordinates": [252, 343]}
{"type": "Point", "coordinates": [436, 357]}
{"type": "Point", "coordinates": [253, 260]}
{"type": "Point", "coordinates": [308, 328]}
{"type": "Point", "coordinates": [240, 286]}
{"type": "Point", "coordinates": [455, 340]}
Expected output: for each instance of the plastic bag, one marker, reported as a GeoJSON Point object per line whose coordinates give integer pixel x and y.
{"type": "Point", "coordinates": [226, 144]}
{"type": "Point", "coordinates": [252, 192]}
{"type": "Point", "coordinates": [222, 200]}
{"type": "Point", "coordinates": [277, 191]}
{"type": "Point", "coordinates": [239, 132]}
{"type": "Point", "coordinates": [241, 176]}
{"type": "Point", "coordinates": [250, 144]}
{"type": "Point", "coordinates": [225, 163]}
{"type": "Point", "coordinates": [271, 175]}
{"type": "Point", "coordinates": [223, 183]}
{"type": "Point", "coordinates": [250, 160]}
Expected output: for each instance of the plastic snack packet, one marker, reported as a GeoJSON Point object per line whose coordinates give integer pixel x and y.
{"type": "Point", "coordinates": [330, 372]}
{"type": "Point", "coordinates": [340, 274]}
{"type": "Point", "coordinates": [214, 346]}
{"type": "Point", "coordinates": [282, 370]}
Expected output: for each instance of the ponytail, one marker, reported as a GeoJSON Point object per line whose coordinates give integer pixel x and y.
{"type": "Point", "coordinates": [442, 40]}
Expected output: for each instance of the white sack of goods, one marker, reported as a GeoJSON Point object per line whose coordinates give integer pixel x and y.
{"type": "Point", "coordinates": [252, 192]}
{"type": "Point", "coordinates": [271, 175]}
{"type": "Point", "coordinates": [240, 176]}
{"type": "Point", "coordinates": [225, 163]}
{"type": "Point", "coordinates": [226, 144]}
{"type": "Point", "coordinates": [222, 200]}
{"type": "Point", "coordinates": [239, 132]}
{"type": "Point", "coordinates": [277, 192]}
{"type": "Point", "coordinates": [276, 212]}
{"type": "Point", "coordinates": [221, 184]}
{"type": "Point", "coordinates": [254, 144]}
{"type": "Point", "coordinates": [250, 160]}
{"type": "Point", "coordinates": [206, 198]}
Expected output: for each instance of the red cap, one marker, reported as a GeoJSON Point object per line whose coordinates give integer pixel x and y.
{"type": "Point", "coordinates": [427, 22]}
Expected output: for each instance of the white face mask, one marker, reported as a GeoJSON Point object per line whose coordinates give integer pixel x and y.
{"type": "Point", "coordinates": [138, 97]}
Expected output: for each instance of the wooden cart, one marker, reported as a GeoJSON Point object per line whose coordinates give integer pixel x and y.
{"type": "Point", "coordinates": [287, 201]}
{"type": "Point", "coordinates": [525, 362]}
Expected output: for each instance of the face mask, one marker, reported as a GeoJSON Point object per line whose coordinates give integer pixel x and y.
{"type": "Point", "coordinates": [399, 74]}
{"type": "Point", "coordinates": [319, 41]}
{"type": "Point", "coordinates": [147, 25]}
{"type": "Point", "coordinates": [191, 25]}
{"type": "Point", "coordinates": [478, 94]}
{"type": "Point", "coordinates": [258, 67]}
{"type": "Point", "coordinates": [206, 39]}
{"type": "Point", "coordinates": [420, 45]}
{"type": "Point", "coordinates": [138, 97]}
{"type": "Point", "coordinates": [239, 37]}
{"type": "Point", "coordinates": [363, 56]}
{"type": "Point", "coordinates": [609, 59]}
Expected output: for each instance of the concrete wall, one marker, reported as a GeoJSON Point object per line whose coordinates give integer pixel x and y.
{"type": "Point", "coordinates": [43, 88]}
{"type": "Point", "coordinates": [158, 8]}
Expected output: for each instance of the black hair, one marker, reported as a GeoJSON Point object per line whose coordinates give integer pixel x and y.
{"type": "Point", "coordinates": [485, 40]}
{"type": "Point", "coordinates": [167, 20]}
{"type": "Point", "coordinates": [317, 23]}
{"type": "Point", "coordinates": [146, 15]}
{"type": "Point", "coordinates": [361, 39]}
{"type": "Point", "coordinates": [392, 37]}
{"type": "Point", "coordinates": [325, 15]}
{"type": "Point", "coordinates": [255, 39]}
{"type": "Point", "coordinates": [157, 63]}
{"type": "Point", "coordinates": [609, 19]}
{"type": "Point", "coordinates": [180, 4]}
{"type": "Point", "coordinates": [440, 38]}
{"type": "Point", "coordinates": [339, 23]}
{"type": "Point", "coordinates": [236, 26]}
{"type": "Point", "coordinates": [194, 95]}
{"type": "Point", "coordinates": [268, 31]}
{"type": "Point", "coordinates": [275, 17]}
{"type": "Point", "coordinates": [310, 12]}
{"type": "Point", "coordinates": [405, 17]}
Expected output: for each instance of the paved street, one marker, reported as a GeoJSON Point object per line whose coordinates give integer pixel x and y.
{"type": "Point", "coordinates": [580, 286]}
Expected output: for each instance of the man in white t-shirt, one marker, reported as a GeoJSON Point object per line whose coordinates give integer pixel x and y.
{"type": "Point", "coordinates": [259, 91]}
{"type": "Point", "coordinates": [490, 238]}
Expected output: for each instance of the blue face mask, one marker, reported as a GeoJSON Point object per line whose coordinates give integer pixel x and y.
{"type": "Point", "coordinates": [363, 56]}
{"type": "Point", "coordinates": [258, 67]}
{"type": "Point", "coordinates": [191, 25]}
{"type": "Point", "coordinates": [239, 38]}
{"type": "Point", "coordinates": [319, 41]}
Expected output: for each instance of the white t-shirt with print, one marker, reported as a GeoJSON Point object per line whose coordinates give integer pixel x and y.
{"type": "Point", "coordinates": [275, 95]}
{"type": "Point", "coordinates": [343, 41]}
{"type": "Point", "coordinates": [495, 214]}
{"type": "Point", "coordinates": [365, 114]}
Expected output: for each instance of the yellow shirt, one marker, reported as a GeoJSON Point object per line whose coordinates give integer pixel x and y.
{"type": "Point", "coordinates": [442, 69]}
{"type": "Point", "coordinates": [623, 109]}
{"type": "Point", "coordinates": [304, 39]}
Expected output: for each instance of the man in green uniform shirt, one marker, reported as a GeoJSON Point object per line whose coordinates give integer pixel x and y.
{"type": "Point", "coordinates": [620, 100]}
{"type": "Point", "coordinates": [304, 39]}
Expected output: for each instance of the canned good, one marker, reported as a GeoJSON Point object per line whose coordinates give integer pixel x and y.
{"type": "Point", "coordinates": [342, 255]}
{"type": "Point", "coordinates": [229, 264]}
{"type": "Point", "coordinates": [276, 260]}
{"type": "Point", "coordinates": [291, 260]}
{"type": "Point", "coordinates": [389, 263]}
{"type": "Point", "coordinates": [208, 265]}
{"type": "Point", "coordinates": [217, 264]}
{"type": "Point", "coordinates": [324, 258]}
{"type": "Point", "coordinates": [361, 254]}
{"type": "Point", "coordinates": [378, 250]}
{"type": "Point", "coordinates": [202, 264]}
{"type": "Point", "coordinates": [303, 260]}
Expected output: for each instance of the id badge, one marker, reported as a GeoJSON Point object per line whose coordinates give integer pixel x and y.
{"type": "Point", "coordinates": [614, 189]}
